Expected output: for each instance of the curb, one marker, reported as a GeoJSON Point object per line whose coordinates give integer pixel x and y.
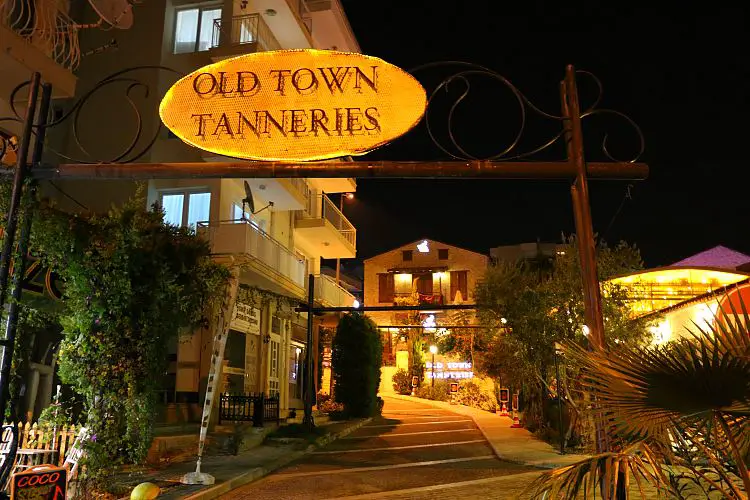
{"type": "Point", "coordinates": [551, 463]}
{"type": "Point", "coordinates": [259, 472]}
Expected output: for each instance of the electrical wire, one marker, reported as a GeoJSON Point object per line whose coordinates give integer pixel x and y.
{"type": "Point", "coordinates": [626, 197]}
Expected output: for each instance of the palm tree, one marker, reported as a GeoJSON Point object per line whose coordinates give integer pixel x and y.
{"type": "Point", "coordinates": [678, 416]}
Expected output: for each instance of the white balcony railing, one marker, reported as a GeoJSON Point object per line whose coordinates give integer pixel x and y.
{"type": "Point", "coordinates": [249, 28]}
{"type": "Point", "coordinates": [240, 237]}
{"type": "Point", "coordinates": [320, 206]}
{"type": "Point", "coordinates": [44, 27]}
{"type": "Point", "coordinates": [328, 292]}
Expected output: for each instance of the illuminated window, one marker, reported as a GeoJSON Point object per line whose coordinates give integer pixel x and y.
{"type": "Point", "coordinates": [407, 255]}
{"type": "Point", "coordinates": [195, 30]}
{"type": "Point", "coordinates": [185, 208]}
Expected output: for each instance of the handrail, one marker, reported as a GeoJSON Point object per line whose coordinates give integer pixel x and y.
{"type": "Point", "coordinates": [45, 27]}
{"type": "Point", "coordinates": [248, 28]}
{"type": "Point", "coordinates": [343, 296]}
{"type": "Point", "coordinates": [303, 12]}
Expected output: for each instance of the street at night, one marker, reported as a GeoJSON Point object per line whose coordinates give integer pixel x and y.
{"type": "Point", "coordinates": [413, 451]}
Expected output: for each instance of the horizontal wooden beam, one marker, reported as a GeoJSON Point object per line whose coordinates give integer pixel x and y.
{"type": "Point", "coordinates": [357, 169]}
{"type": "Point", "coordinates": [425, 307]}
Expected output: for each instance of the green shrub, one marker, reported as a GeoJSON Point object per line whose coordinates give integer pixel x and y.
{"type": "Point", "coordinates": [440, 392]}
{"type": "Point", "coordinates": [470, 394]}
{"type": "Point", "coordinates": [356, 359]}
{"type": "Point", "coordinates": [402, 382]}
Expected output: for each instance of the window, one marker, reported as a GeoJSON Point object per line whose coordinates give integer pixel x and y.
{"type": "Point", "coordinates": [459, 283]}
{"type": "Point", "coordinates": [407, 255]}
{"type": "Point", "coordinates": [443, 253]}
{"type": "Point", "coordinates": [194, 29]}
{"type": "Point", "coordinates": [185, 208]}
{"type": "Point", "coordinates": [385, 287]}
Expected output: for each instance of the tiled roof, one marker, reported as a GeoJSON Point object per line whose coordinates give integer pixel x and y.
{"type": "Point", "coordinates": [718, 256]}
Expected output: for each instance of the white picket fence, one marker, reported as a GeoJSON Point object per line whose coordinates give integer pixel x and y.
{"type": "Point", "coordinates": [36, 437]}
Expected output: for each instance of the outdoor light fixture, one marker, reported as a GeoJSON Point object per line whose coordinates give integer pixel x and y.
{"type": "Point", "coordinates": [423, 247]}
{"type": "Point", "coordinates": [433, 349]}
{"type": "Point", "coordinates": [585, 329]}
{"type": "Point", "coordinates": [429, 321]}
{"type": "Point", "coordinates": [355, 304]}
{"type": "Point", "coordinates": [349, 196]}
{"type": "Point", "coordinates": [270, 12]}
{"type": "Point", "coordinates": [503, 320]}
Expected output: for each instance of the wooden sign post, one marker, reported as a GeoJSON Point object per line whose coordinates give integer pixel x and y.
{"type": "Point", "coordinates": [47, 482]}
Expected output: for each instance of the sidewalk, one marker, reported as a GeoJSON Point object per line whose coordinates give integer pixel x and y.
{"type": "Point", "coordinates": [513, 445]}
{"type": "Point", "coordinates": [233, 471]}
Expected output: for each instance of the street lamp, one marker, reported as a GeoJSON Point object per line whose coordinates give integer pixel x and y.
{"type": "Point", "coordinates": [558, 352]}
{"type": "Point", "coordinates": [433, 350]}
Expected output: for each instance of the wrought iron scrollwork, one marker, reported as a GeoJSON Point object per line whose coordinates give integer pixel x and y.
{"type": "Point", "coordinates": [463, 72]}
{"type": "Point", "coordinates": [132, 152]}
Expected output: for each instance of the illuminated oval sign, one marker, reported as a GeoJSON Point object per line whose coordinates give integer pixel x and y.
{"type": "Point", "coordinates": [293, 105]}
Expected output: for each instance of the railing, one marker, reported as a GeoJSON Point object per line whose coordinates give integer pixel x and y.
{"type": "Point", "coordinates": [300, 8]}
{"type": "Point", "coordinates": [43, 26]}
{"type": "Point", "coordinates": [320, 206]}
{"type": "Point", "coordinates": [37, 437]}
{"type": "Point", "coordinates": [330, 292]}
{"type": "Point", "coordinates": [250, 28]}
{"type": "Point", "coordinates": [421, 299]}
{"type": "Point", "coordinates": [255, 408]}
{"type": "Point", "coordinates": [243, 237]}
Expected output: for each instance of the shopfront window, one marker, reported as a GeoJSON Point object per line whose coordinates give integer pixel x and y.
{"type": "Point", "coordinates": [296, 357]}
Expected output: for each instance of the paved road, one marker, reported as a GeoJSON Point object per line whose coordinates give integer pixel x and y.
{"type": "Point", "coordinates": [413, 451]}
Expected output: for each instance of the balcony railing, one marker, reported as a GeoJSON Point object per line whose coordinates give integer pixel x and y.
{"type": "Point", "coordinates": [236, 237]}
{"type": "Point", "coordinates": [417, 299]}
{"type": "Point", "coordinates": [249, 28]}
{"type": "Point", "coordinates": [320, 206]}
{"type": "Point", "coordinates": [44, 27]}
{"type": "Point", "coordinates": [331, 293]}
{"type": "Point", "coordinates": [300, 8]}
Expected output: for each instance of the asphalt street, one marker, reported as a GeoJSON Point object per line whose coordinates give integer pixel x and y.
{"type": "Point", "coordinates": [413, 451]}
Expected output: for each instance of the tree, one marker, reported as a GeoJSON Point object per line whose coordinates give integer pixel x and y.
{"type": "Point", "coordinates": [356, 359]}
{"type": "Point", "coordinates": [526, 307]}
{"type": "Point", "coordinates": [132, 283]}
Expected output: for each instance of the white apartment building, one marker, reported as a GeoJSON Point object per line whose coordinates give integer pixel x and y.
{"type": "Point", "coordinates": [278, 247]}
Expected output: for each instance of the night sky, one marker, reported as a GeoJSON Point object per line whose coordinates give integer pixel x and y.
{"type": "Point", "coordinates": [683, 77]}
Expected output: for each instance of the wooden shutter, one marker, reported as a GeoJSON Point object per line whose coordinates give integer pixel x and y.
{"type": "Point", "coordinates": [386, 287]}
{"type": "Point", "coordinates": [459, 282]}
{"type": "Point", "coordinates": [424, 284]}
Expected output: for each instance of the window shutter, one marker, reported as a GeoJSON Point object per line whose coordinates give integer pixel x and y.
{"type": "Point", "coordinates": [386, 287]}
{"type": "Point", "coordinates": [459, 282]}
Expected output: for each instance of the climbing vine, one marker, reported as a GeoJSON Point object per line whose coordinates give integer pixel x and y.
{"type": "Point", "coordinates": [131, 284]}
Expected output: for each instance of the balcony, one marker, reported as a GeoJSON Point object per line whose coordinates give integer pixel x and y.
{"type": "Point", "coordinates": [331, 294]}
{"type": "Point", "coordinates": [323, 230]}
{"type": "Point", "coordinates": [418, 299]}
{"type": "Point", "coordinates": [247, 34]}
{"type": "Point", "coordinates": [286, 194]}
{"type": "Point", "coordinates": [289, 20]}
{"type": "Point", "coordinates": [36, 36]}
{"type": "Point", "coordinates": [334, 185]}
{"type": "Point", "coordinates": [282, 270]}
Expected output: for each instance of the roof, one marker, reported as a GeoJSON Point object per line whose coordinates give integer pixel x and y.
{"type": "Point", "coordinates": [430, 240]}
{"type": "Point", "coordinates": [717, 257]}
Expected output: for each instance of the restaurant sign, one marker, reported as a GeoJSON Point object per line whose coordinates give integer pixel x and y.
{"type": "Point", "coordinates": [293, 105]}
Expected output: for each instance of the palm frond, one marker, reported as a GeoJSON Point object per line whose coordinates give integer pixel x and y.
{"type": "Point", "coordinates": [603, 473]}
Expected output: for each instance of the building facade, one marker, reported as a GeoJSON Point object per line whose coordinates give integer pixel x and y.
{"type": "Point", "coordinates": [690, 292]}
{"type": "Point", "coordinates": [423, 273]}
{"type": "Point", "coordinates": [296, 222]}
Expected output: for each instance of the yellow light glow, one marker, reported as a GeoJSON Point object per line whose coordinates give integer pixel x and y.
{"type": "Point", "coordinates": [295, 105]}
{"type": "Point", "coordinates": [662, 332]}
{"type": "Point", "coordinates": [403, 278]}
